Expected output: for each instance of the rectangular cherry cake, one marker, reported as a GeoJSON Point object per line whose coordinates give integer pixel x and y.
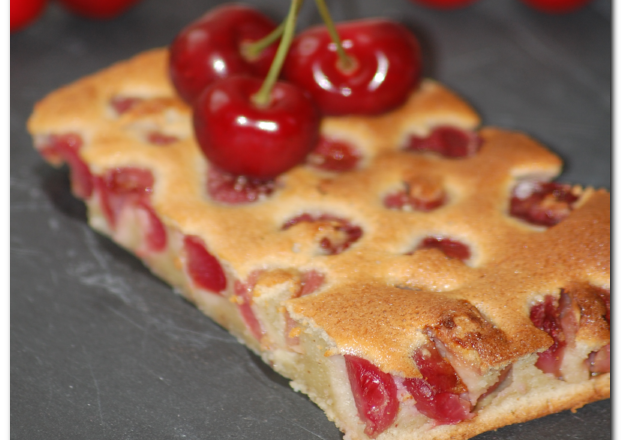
{"type": "Point", "coordinates": [419, 277]}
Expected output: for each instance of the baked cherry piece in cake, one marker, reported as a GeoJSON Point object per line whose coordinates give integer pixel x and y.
{"type": "Point", "coordinates": [414, 275]}
{"type": "Point", "coordinates": [334, 155]}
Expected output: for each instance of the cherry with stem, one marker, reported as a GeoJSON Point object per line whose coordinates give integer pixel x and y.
{"type": "Point", "coordinates": [253, 50]}
{"type": "Point", "coordinates": [263, 96]}
{"type": "Point", "coordinates": [346, 62]}
{"type": "Point", "coordinates": [257, 129]}
{"type": "Point", "coordinates": [359, 67]}
{"type": "Point", "coordinates": [228, 40]}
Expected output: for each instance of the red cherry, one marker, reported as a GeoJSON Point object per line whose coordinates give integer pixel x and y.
{"type": "Point", "coordinates": [559, 320]}
{"type": "Point", "coordinates": [542, 203]}
{"type": "Point", "coordinates": [127, 181]}
{"type": "Point", "coordinates": [244, 138]}
{"type": "Point", "coordinates": [436, 370]}
{"type": "Point", "coordinates": [545, 316]}
{"type": "Point", "coordinates": [228, 188]}
{"type": "Point", "coordinates": [103, 9]}
{"type": "Point", "coordinates": [204, 269]}
{"type": "Point", "coordinates": [154, 230]}
{"type": "Point", "coordinates": [311, 282]}
{"type": "Point", "coordinates": [437, 393]}
{"type": "Point", "coordinates": [450, 248]}
{"type": "Point", "coordinates": [444, 4]}
{"type": "Point", "coordinates": [65, 148]}
{"type": "Point", "coordinates": [556, 6]}
{"type": "Point", "coordinates": [159, 138]}
{"type": "Point", "coordinates": [212, 47]}
{"type": "Point", "coordinates": [333, 155]}
{"type": "Point", "coordinates": [121, 185]}
{"type": "Point", "coordinates": [599, 362]}
{"type": "Point", "coordinates": [375, 394]}
{"type": "Point", "coordinates": [122, 104]}
{"type": "Point", "coordinates": [244, 305]}
{"type": "Point", "coordinates": [447, 141]}
{"type": "Point", "coordinates": [418, 194]}
{"type": "Point", "coordinates": [24, 12]}
{"type": "Point", "coordinates": [444, 408]}
{"type": "Point", "coordinates": [340, 233]}
{"type": "Point", "coordinates": [386, 66]}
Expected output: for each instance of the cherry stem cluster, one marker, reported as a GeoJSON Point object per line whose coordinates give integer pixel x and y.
{"type": "Point", "coordinates": [253, 50]}
{"type": "Point", "coordinates": [287, 30]}
{"type": "Point", "coordinates": [346, 62]}
{"type": "Point", "coordinates": [262, 97]}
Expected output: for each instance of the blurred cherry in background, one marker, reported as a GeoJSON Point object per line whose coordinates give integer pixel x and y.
{"type": "Point", "coordinates": [101, 9]}
{"type": "Point", "coordinates": [24, 12]}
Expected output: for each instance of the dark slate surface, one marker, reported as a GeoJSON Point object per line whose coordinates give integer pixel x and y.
{"type": "Point", "coordinates": [101, 349]}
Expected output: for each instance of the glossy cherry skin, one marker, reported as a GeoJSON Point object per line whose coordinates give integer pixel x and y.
{"type": "Point", "coordinates": [242, 138]}
{"type": "Point", "coordinates": [387, 66]}
{"type": "Point", "coordinates": [556, 6]}
{"type": "Point", "coordinates": [212, 47]}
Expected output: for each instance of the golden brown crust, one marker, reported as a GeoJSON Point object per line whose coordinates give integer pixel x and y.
{"type": "Point", "coordinates": [380, 300]}
{"type": "Point", "coordinates": [517, 409]}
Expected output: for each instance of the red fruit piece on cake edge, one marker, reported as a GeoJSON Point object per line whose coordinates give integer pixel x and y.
{"type": "Point", "coordinates": [65, 148]}
{"type": "Point", "coordinates": [375, 394]}
{"type": "Point", "coordinates": [204, 269]}
{"type": "Point", "coordinates": [125, 188]}
{"type": "Point", "coordinates": [438, 394]}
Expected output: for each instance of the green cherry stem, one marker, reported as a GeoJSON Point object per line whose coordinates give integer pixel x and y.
{"type": "Point", "coordinates": [253, 50]}
{"type": "Point", "coordinates": [262, 97]}
{"type": "Point", "coordinates": [345, 61]}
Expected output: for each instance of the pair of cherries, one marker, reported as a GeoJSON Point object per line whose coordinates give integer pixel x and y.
{"type": "Point", "coordinates": [244, 126]}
